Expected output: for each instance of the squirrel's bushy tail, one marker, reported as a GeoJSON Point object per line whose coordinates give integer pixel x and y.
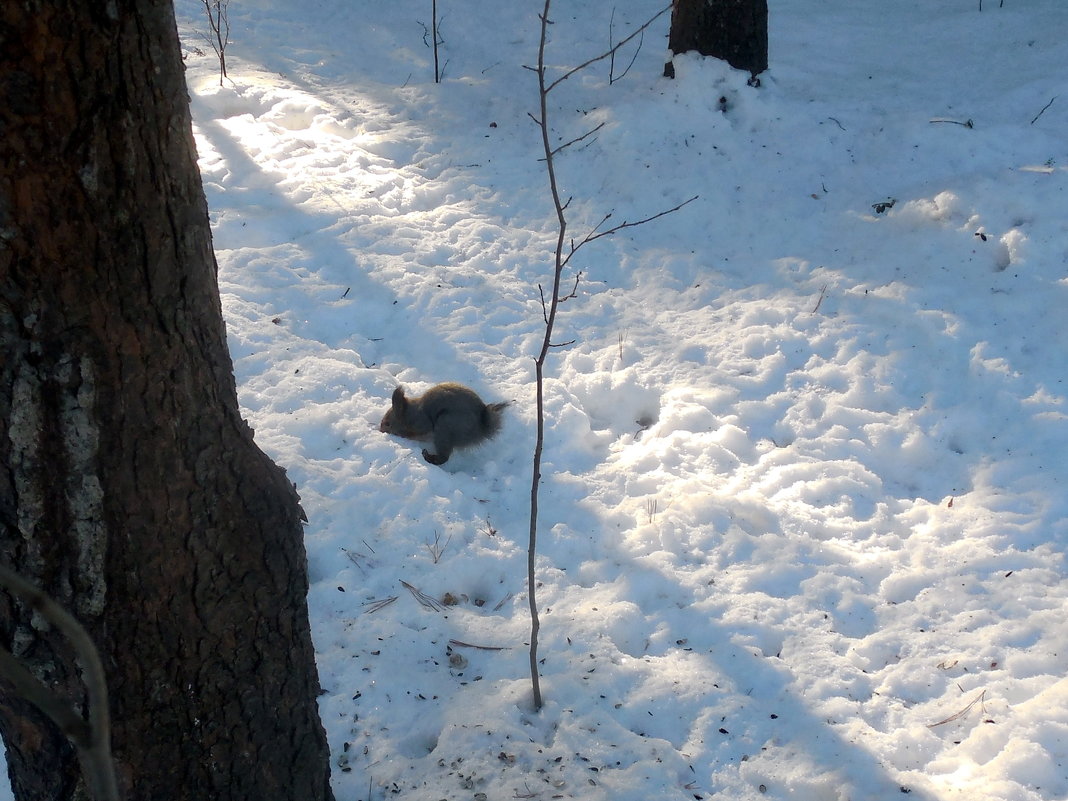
{"type": "Point", "coordinates": [491, 417]}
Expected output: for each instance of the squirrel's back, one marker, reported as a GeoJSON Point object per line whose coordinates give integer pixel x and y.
{"type": "Point", "coordinates": [450, 415]}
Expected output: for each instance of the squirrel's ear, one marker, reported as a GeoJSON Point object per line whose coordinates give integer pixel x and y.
{"type": "Point", "coordinates": [399, 401]}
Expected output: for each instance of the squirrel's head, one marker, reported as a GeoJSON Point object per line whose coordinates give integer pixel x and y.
{"type": "Point", "coordinates": [393, 419]}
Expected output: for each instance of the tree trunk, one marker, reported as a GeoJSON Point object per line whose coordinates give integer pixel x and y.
{"type": "Point", "coordinates": [733, 30]}
{"type": "Point", "coordinates": [130, 488]}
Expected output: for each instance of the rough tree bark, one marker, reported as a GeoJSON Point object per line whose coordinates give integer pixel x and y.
{"type": "Point", "coordinates": [733, 30]}
{"type": "Point", "coordinates": [130, 487]}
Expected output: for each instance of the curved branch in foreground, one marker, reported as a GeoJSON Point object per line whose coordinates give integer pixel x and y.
{"type": "Point", "coordinates": [92, 739]}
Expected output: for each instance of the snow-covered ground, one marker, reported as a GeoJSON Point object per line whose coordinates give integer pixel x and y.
{"type": "Point", "coordinates": [803, 505]}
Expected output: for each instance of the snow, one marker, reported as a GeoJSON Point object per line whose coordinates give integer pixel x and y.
{"type": "Point", "coordinates": [802, 510]}
{"type": "Point", "coordinates": [803, 503]}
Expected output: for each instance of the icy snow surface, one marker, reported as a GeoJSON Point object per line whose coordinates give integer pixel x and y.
{"type": "Point", "coordinates": [803, 500]}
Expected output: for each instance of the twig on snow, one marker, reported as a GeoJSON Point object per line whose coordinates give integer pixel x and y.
{"type": "Point", "coordinates": [462, 644]}
{"type": "Point", "coordinates": [978, 699]}
{"type": "Point", "coordinates": [424, 600]}
{"type": "Point", "coordinates": [382, 603]}
{"type": "Point", "coordinates": [965, 123]}
{"type": "Point", "coordinates": [816, 308]}
{"type": "Point", "coordinates": [1043, 111]}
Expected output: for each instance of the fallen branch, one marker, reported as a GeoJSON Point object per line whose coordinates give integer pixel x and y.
{"type": "Point", "coordinates": [374, 606]}
{"type": "Point", "coordinates": [978, 699]}
{"type": "Point", "coordinates": [462, 644]}
{"type": "Point", "coordinates": [1043, 111]}
{"type": "Point", "coordinates": [816, 308]}
{"type": "Point", "coordinates": [965, 123]}
{"type": "Point", "coordinates": [424, 600]}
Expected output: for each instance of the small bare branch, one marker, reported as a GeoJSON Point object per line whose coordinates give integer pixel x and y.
{"type": "Point", "coordinates": [424, 600]}
{"type": "Point", "coordinates": [578, 139]}
{"type": "Point", "coordinates": [219, 22]}
{"type": "Point", "coordinates": [436, 549]}
{"type": "Point", "coordinates": [637, 50]}
{"type": "Point", "coordinates": [608, 53]}
{"type": "Point", "coordinates": [462, 644]}
{"type": "Point", "coordinates": [588, 236]}
{"type": "Point", "coordinates": [819, 301]}
{"type": "Point", "coordinates": [381, 603]}
{"type": "Point", "coordinates": [965, 123]}
{"type": "Point", "coordinates": [958, 715]}
{"type": "Point", "coordinates": [592, 236]}
{"type": "Point", "coordinates": [574, 289]}
{"type": "Point", "coordinates": [612, 59]}
{"type": "Point", "coordinates": [1043, 111]}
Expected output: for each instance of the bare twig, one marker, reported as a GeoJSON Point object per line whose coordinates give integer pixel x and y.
{"type": "Point", "coordinates": [434, 21]}
{"type": "Point", "coordinates": [219, 23]}
{"type": "Point", "coordinates": [355, 558]}
{"type": "Point", "coordinates": [551, 305]}
{"type": "Point", "coordinates": [595, 59]}
{"type": "Point", "coordinates": [823, 291]}
{"type": "Point", "coordinates": [612, 59]}
{"type": "Point", "coordinates": [1043, 111]}
{"type": "Point", "coordinates": [574, 290]}
{"type": "Point", "coordinates": [578, 139]}
{"type": "Point", "coordinates": [615, 229]}
{"type": "Point", "coordinates": [539, 362]}
{"type": "Point", "coordinates": [93, 739]}
{"type": "Point", "coordinates": [611, 63]}
{"type": "Point", "coordinates": [436, 549]}
{"type": "Point", "coordinates": [382, 603]}
{"type": "Point", "coordinates": [424, 600]}
{"type": "Point", "coordinates": [978, 699]}
{"type": "Point", "coordinates": [462, 644]}
{"type": "Point", "coordinates": [965, 123]}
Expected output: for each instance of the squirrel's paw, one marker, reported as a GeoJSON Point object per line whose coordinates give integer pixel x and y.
{"type": "Point", "coordinates": [433, 458]}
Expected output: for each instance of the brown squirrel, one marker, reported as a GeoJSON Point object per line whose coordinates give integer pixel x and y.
{"type": "Point", "coordinates": [450, 415]}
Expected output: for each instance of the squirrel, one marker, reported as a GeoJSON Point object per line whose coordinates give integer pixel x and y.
{"type": "Point", "coordinates": [450, 415]}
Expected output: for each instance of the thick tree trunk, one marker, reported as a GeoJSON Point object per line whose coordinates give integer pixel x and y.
{"type": "Point", "coordinates": [130, 488]}
{"type": "Point", "coordinates": [733, 30]}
